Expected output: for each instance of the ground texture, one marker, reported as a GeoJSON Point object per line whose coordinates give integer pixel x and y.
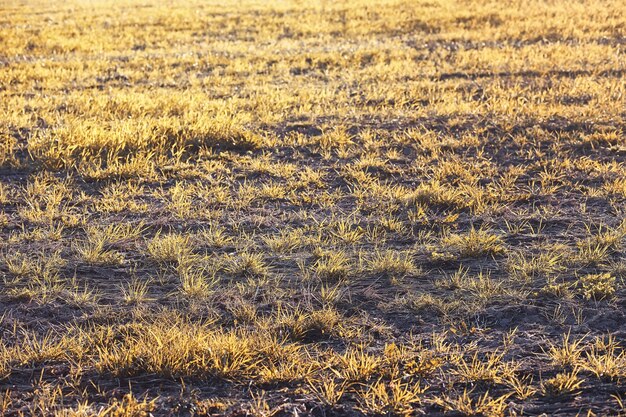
{"type": "Point", "coordinates": [318, 208]}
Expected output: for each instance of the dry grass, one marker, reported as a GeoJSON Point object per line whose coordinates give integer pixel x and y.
{"type": "Point", "coordinates": [312, 208]}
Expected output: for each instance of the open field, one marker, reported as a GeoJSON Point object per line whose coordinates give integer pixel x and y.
{"type": "Point", "coordinates": [293, 208]}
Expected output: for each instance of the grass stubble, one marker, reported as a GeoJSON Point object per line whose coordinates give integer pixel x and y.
{"type": "Point", "coordinates": [312, 208]}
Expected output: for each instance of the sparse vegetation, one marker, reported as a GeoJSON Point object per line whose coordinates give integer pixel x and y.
{"type": "Point", "coordinates": [312, 208]}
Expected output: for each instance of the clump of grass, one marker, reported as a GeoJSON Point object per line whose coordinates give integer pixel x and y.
{"type": "Point", "coordinates": [491, 368]}
{"type": "Point", "coordinates": [423, 364]}
{"type": "Point", "coordinates": [481, 405]}
{"type": "Point", "coordinates": [215, 237]}
{"type": "Point", "coordinates": [243, 311]}
{"type": "Point", "coordinates": [527, 268]}
{"type": "Point", "coordinates": [222, 132]}
{"type": "Point", "coordinates": [567, 353]}
{"type": "Point", "coordinates": [591, 252]}
{"type": "Point", "coordinates": [606, 359]}
{"type": "Point", "coordinates": [169, 248]}
{"type": "Point", "coordinates": [475, 243]}
{"type": "Point", "coordinates": [195, 283]}
{"type": "Point", "coordinates": [522, 387]}
{"type": "Point", "coordinates": [393, 263]}
{"type": "Point", "coordinates": [130, 406]}
{"type": "Point", "coordinates": [391, 398]}
{"type": "Point", "coordinates": [328, 391]}
{"type": "Point", "coordinates": [554, 289]}
{"type": "Point", "coordinates": [302, 325]}
{"type": "Point", "coordinates": [39, 267]}
{"type": "Point", "coordinates": [347, 233]}
{"type": "Point", "coordinates": [82, 296]}
{"type": "Point", "coordinates": [248, 264]}
{"type": "Point", "coordinates": [136, 292]}
{"type": "Point", "coordinates": [333, 266]}
{"type": "Point", "coordinates": [597, 286]}
{"type": "Point", "coordinates": [94, 252]}
{"type": "Point", "coordinates": [286, 241]}
{"type": "Point", "coordinates": [174, 347]}
{"type": "Point", "coordinates": [564, 383]}
{"type": "Point", "coordinates": [357, 365]}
